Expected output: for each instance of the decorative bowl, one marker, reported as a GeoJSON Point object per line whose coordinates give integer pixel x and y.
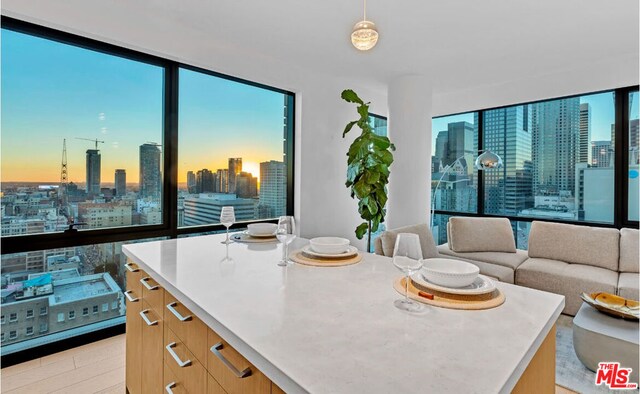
{"type": "Point", "coordinates": [449, 273]}
{"type": "Point", "coordinates": [329, 245]}
{"type": "Point", "coordinates": [262, 229]}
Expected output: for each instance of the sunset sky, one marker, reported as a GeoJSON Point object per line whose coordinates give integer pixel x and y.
{"type": "Point", "coordinates": [51, 92]}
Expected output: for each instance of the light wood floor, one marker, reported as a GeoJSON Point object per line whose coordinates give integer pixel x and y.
{"type": "Point", "coordinates": [94, 368]}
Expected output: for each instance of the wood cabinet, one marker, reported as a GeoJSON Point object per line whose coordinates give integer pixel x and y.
{"type": "Point", "coordinates": [170, 350]}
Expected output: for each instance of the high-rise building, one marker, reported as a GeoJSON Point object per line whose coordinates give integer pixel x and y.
{"type": "Point", "coordinates": [441, 145]}
{"type": "Point", "coordinates": [584, 136]}
{"type": "Point", "coordinates": [507, 133]}
{"type": "Point", "coordinates": [93, 171]}
{"type": "Point", "coordinates": [150, 172]}
{"type": "Point", "coordinates": [235, 168]}
{"type": "Point", "coordinates": [121, 182]}
{"type": "Point", "coordinates": [460, 141]}
{"type": "Point", "coordinates": [555, 128]}
{"type": "Point", "coordinates": [601, 154]}
{"type": "Point", "coordinates": [634, 142]}
{"type": "Point", "coordinates": [222, 181]}
{"type": "Point", "coordinates": [205, 208]}
{"type": "Point", "coordinates": [246, 185]}
{"type": "Point", "coordinates": [205, 182]}
{"type": "Point", "coordinates": [191, 182]}
{"type": "Point", "coordinates": [273, 189]}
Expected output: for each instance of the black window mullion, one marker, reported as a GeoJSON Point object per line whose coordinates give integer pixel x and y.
{"type": "Point", "coordinates": [480, 198]}
{"type": "Point", "coordinates": [170, 194]}
{"type": "Point", "coordinates": [620, 202]}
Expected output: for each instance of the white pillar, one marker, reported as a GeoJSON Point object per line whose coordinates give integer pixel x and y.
{"type": "Point", "coordinates": [409, 101]}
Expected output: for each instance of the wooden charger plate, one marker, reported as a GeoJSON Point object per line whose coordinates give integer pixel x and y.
{"type": "Point", "coordinates": [451, 301]}
{"type": "Point", "coordinates": [247, 239]}
{"type": "Point", "coordinates": [300, 257]}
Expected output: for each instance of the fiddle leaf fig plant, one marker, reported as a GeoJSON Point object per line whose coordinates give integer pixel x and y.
{"type": "Point", "coordinates": [369, 158]}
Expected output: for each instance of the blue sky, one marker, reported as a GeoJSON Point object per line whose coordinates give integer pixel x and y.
{"type": "Point", "coordinates": [52, 91]}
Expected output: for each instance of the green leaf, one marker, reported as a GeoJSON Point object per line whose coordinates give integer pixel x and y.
{"type": "Point", "coordinates": [351, 96]}
{"type": "Point", "coordinates": [381, 143]}
{"type": "Point", "coordinates": [372, 206]}
{"type": "Point", "coordinates": [362, 189]}
{"type": "Point", "coordinates": [353, 170]}
{"type": "Point", "coordinates": [372, 177]}
{"type": "Point", "coordinates": [375, 223]}
{"type": "Point", "coordinates": [363, 110]}
{"type": "Point", "coordinates": [386, 157]}
{"type": "Point", "coordinates": [348, 128]}
{"type": "Point", "coordinates": [361, 230]}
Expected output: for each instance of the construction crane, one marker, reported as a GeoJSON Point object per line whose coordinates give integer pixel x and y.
{"type": "Point", "coordinates": [92, 140]}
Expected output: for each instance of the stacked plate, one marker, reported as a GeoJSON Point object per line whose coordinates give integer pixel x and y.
{"type": "Point", "coordinates": [261, 230]}
{"type": "Point", "coordinates": [453, 277]}
{"type": "Point", "coordinates": [329, 248]}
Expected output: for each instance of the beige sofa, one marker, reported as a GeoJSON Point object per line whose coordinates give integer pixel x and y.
{"type": "Point", "coordinates": [563, 259]}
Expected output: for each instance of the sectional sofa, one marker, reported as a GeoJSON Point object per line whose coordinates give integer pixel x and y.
{"type": "Point", "coordinates": [562, 258]}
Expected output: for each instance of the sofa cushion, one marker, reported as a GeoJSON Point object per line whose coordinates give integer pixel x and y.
{"type": "Point", "coordinates": [509, 260]}
{"type": "Point", "coordinates": [468, 234]}
{"type": "Point", "coordinates": [377, 246]}
{"type": "Point", "coordinates": [628, 285]}
{"type": "Point", "coordinates": [594, 246]}
{"type": "Point", "coordinates": [629, 258]}
{"type": "Point", "coordinates": [569, 280]}
{"type": "Point", "coordinates": [500, 272]}
{"type": "Point", "coordinates": [427, 243]}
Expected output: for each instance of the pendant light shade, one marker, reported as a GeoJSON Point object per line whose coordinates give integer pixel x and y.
{"type": "Point", "coordinates": [364, 35]}
{"type": "Point", "coordinates": [488, 160]}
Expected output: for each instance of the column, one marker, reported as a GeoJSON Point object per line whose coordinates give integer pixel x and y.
{"type": "Point", "coordinates": [409, 101]}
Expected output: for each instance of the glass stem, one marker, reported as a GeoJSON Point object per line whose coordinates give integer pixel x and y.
{"type": "Point", "coordinates": [227, 236]}
{"type": "Point", "coordinates": [406, 288]}
{"type": "Point", "coordinates": [285, 257]}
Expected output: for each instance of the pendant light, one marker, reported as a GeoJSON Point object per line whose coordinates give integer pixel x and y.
{"type": "Point", "coordinates": [364, 35]}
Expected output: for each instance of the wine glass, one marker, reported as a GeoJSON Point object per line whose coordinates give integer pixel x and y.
{"type": "Point", "coordinates": [227, 218]}
{"type": "Point", "coordinates": [286, 233]}
{"type": "Point", "coordinates": [407, 256]}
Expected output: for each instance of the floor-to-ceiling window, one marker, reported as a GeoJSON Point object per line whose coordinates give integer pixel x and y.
{"type": "Point", "coordinates": [103, 146]}
{"type": "Point", "coordinates": [561, 162]}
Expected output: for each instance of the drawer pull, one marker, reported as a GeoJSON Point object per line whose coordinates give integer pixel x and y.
{"type": "Point", "coordinates": [143, 314]}
{"type": "Point", "coordinates": [146, 284]}
{"type": "Point", "coordinates": [172, 309]}
{"type": "Point", "coordinates": [173, 354]}
{"type": "Point", "coordinates": [128, 295]}
{"type": "Point", "coordinates": [215, 349]}
{"type": "Point", "coordinates": [131, 268]}
{"type": "Point", "coordinates": [169, 387]}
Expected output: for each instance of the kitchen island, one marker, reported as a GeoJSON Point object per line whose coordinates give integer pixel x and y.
{"type": "Point", "coordinates": [323, 330]}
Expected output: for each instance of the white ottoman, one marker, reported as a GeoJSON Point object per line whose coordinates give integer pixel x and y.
{"type": "Point", "coordinates": [598, 337]}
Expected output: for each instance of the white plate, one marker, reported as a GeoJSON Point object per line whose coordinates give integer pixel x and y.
{"type": "Point", "coordinates": [246, 232]}
{"type": "Point", "coordinates": [482, 285]}
{"type": "Point", "coordinates": [351, 251]}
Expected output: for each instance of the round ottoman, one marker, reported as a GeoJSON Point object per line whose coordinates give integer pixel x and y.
{"type": "Point", "coordinates": [598, 338]}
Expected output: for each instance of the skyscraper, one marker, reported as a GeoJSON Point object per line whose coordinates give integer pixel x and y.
{"type": "Point", "coordinates": [150, 173]}
{"type": "Point", "coordinates": [273, 189]}
{"type": "Point", "coordinates": [507, 133]}
{"type": "Point", "coordinates": [584, 136]}
{"type": "Point", "coordinates": [246, 185]}
{"type": "Point", "coordinates": [555, 129]}
{"type": "Point", "coordinates": [601, 154]}
{"type": "Point", "coordinates": [634, 141]}
{"type": "Point", "coordinates": [93, 171]}
{"type": "Point", "coordinates": [235, 168]}
{"type": "Point", "coordinates": [222, 181]}
{"type": "Point", "coordinates": [204, 182]}
{"type": "Point", "coordinates": [191, 182]}
{"type": "Point", "coordinates": [121, 182]}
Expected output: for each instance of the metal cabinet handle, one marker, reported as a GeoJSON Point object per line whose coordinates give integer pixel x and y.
{"type": "Point", "coordinates": [169, 387]}
{"type": "Point", "coordinates": [128, 295]}
{"type": "Point", "coordinates": [171, 308]}
{"type": "Point", "coordinates": [146, 284]}
{"type": "Point", "coordinates": [215, 349]}
{"type": "Point", "coordinates": [143, 314]}
{"type": "Point", "coordinates": [131, 268]}
{"type": "Point", "coordinates": [173, 354]}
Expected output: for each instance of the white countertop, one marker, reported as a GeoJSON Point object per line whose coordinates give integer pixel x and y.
{"type": "Point", "coordinates": [336, 330]}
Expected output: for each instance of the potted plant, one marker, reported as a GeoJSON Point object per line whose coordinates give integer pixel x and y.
{"type": "Point", "coordinates": [369, 158]}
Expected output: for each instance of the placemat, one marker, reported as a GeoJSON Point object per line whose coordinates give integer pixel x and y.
{"type": "Point", "coordinates": [451, 301]}
{"type": "Point", "coordinates": [247, 239]}
{"type": "Point", "coordinates": [298, 256]}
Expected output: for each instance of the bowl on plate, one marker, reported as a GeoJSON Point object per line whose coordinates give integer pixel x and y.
{"type": "Point", "coordinates": [329, 245]}
{"type": "Point", "coordinates": [449, 273]}
{"type": "Point", "coordinates": [262, 229]}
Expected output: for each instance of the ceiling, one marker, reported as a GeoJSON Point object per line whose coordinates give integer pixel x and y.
{"type": "Point", "coordinates": [458, 43]}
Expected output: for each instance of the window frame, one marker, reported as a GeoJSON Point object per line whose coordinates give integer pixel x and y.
{"type": "Point", "coordinates": [169, 226]}
{"type": "Point", "coordinates": [621, 163]}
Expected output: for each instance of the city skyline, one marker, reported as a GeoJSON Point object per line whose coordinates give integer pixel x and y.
{"type": "Point", "coordinates": [120, 102]}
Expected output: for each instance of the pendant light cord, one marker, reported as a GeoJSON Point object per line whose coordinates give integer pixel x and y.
{"type": "Point", "coordinates": [365, 10]}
